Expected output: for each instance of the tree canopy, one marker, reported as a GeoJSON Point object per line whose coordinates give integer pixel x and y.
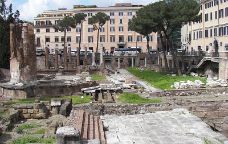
{"type": "Point", "coordinates": [7, 16]}
{"type": "Point", "coordinates": [166, 18]}
{"type": "Point", "coordinates": [98, 19]}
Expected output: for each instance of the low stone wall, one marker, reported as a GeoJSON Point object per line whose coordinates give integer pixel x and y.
{"type": "Point", "coordinates": [124, 109]}
{"type": "Point", "coordinates": [48, 89]}
{"type": "Point", "coordinates": [33, 111]}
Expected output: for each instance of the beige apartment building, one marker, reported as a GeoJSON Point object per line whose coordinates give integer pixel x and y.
{"type": "Point", "coordinates": [211, 33]}
{"type": "Point", "coordinates": [114, 34]}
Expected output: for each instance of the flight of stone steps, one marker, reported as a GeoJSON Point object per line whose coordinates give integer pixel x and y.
{"type": "Point", "coordinates": [90, 126]}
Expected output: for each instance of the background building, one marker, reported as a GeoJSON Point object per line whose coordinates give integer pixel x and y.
{"type": "Point", "coordinates": [210, 34]}
{"type": "Point", "coordinates": [114, 34]}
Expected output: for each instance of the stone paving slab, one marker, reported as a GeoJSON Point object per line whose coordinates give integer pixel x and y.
{"type": "Point", "coordinates": [165, 127]}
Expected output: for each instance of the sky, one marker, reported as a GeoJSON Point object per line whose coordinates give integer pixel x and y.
{"type": "Point", "coordinates": [31, 8]}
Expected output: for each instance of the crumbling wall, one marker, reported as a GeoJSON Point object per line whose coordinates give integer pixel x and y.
{"type": "Point", "coordinates": [23, 54]}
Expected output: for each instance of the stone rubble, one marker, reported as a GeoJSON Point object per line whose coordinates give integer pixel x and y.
{"type": "Point", "coordinates": [210, 83]}
{"type": "Point", "coordinates": [188, 84]}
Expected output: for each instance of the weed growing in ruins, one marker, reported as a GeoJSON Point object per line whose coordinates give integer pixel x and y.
{"type": "Point", "coordinates": [40, 131]}
{"type": "Point", "coordinates": [31, 139]}
{"type": "Point", "coordinates": [22, 128]}
{"type": "Point", "coordinates": [161, 80]}
{"type": "Point", "coordinates": [98, 77]}
{"type": "Point", "coordinates": [136, 99]}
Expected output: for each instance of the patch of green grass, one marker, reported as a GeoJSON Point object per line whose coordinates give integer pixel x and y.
{"type": "Point", "coordinates": [40, 131]}
{"type": "Point", "coordinates": [31, 139]}
{"type": "Point", "coordinates": [79, 100]}
{"type": "Point", "coordinates": [22, 128]}
{"type": "Point", "coordinates": [98, 77]}
{"type": "Point", "coordinates": [136, 99]}
{"type": "Point", "coordinates": [161, 80]}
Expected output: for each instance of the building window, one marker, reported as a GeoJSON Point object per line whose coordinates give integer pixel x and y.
{"type": "Point", "coordinates": [121, 29]}
{"type": "Point", "coordinates": [129, 13]}
{"type": "Point", "coordinates": [200, 34]}
{"type": "Point", "coordinates": [221, 31]}
{"type": "Point", "coordinates": [90, 39]}
{"type": "Point", "coordinates": [216, 14]}
{"type": "Point", "coordinates": [56, 30]}
{"type": "Point", "coordinates": [206, 17]}
{"type": "Point", "coordinates": [221, 13]}
{"type": "Point", "coordinates": [129, 38]}
{"type": "Point", "coordinates": [121, 21]}
{"type": "Point", "coordinates": [215, 32]}
{"type": "Point", "coordinates": [206, 33]}
{"type": "Point", "coordinates": [47, 30]}
{"type": "Point", "coordinates": [38, 42]}
{"type": "Point", "coordinates": [121, 38]}
{"type": "Point", "coordinates": [102, 38]}
{"type": "Point", "coordinates": [112, 13]}
{"type": "Point", "coordinates": [226, 30]}
{"type": "Point", "coordinates": [139, 38]}
{"type": "Point", "coordinates": [102, 29]}
{"type": "Point", "coordinates": [38, 30]}
{"type": "Point", "coordinates": [90, 14]}
{"type": "Point", "coordinates": [77, 39]}
{"type": "Point", "coordinates": [211, 32]}
{"type": "Point", "coordinates": [211, 17]}
{"type": "Point", "coordinates": [56, 39]}
{"type": "Point", "coordinates": [120, 13]}
{"type": "Point", "coordinates": [62, 39]}
{"type": "Point", "coordinates": [226, 11]}
{"type": "Point", "coordinates": [112, 21]}
{"type": "Point", "coordinates": [47, 39]}
{"type": "Point", "coordinates": [112, 38]}
{"type": "Point", "coordinates": [90, 29]}
{"type": "Point", "coordinates": [112, 29]}
{"type": "Point", "coordinates": [68, 29]}
{"type": "Point", "coordinates": [78, 29]}
{"type": "Point", "coordinates": [68, 39]}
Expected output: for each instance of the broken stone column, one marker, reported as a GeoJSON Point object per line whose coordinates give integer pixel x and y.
{"type": "Point", "coordinates": [145, 62]}
{"type": "Point", "coordinates": [23, 53]}
{"type": "Point", "coordinates": [47, 58]}
{"type": "Point", "coordinates": [70, 58]}
{"type": "Point", "coordinates": [101, 57]}
{"type": "Point", "coordinates": [132, 62]}
{"type": "Point", "coordinates": [85, 58]}
{"type": "Point", "coordinates": [93, 59]}
{"type": "Point", "coordinates": [68, 135]}
{"type": "Point", "coordinates": [56, 60]}
{"type": "Point", "coordinates": [118, 63]}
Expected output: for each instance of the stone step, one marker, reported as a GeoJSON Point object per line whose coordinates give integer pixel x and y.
{"type": "Point", "coordinates": [90, 126]}
{"type": "Point", "coordinates": [85, 125]}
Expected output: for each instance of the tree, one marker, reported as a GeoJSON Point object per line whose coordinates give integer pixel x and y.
{"type": "Point", "coordinates": [99, 19]}
{"type": "Point", "coordinates": [63, 25]}
{"type": "Point", "coordinates": [143, 25]}
{"type": "Point", "coordinates": [79, 18]}
{"type": "Point", "coordinates": [7, 16]}
{"type": "Point", "coordinates": [170, 15]}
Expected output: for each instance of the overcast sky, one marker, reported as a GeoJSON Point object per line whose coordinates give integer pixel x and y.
{"type": "Point", "coordinates": [31, 8]}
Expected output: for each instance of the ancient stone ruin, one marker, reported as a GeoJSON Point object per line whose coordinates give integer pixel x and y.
{"type": "Point", "coordinates": [22, 51]}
